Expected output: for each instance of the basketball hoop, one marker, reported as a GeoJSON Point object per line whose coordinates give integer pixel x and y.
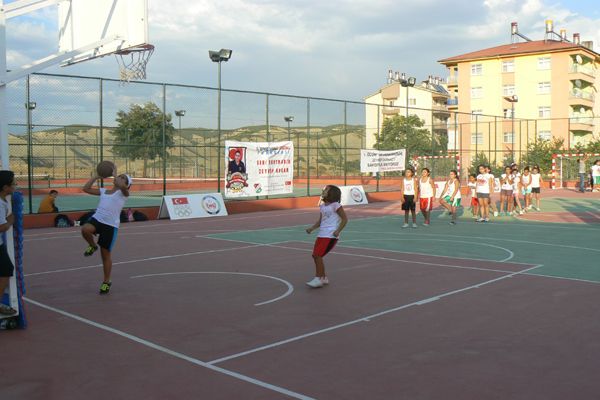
{"type": "Point", "coordinates": [133, 61]}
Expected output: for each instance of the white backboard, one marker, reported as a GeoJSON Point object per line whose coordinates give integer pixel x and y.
{"type": "Point", "coordinates": [84, 22]}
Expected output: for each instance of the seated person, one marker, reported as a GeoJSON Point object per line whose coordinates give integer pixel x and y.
{"type": "Point", "coordinates": [47, 205]}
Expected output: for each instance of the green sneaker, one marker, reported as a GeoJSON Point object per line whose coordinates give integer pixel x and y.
{"type": "Point", "coordinates": [90, 250]}
{"type": "Point", "coordinates": [105, 287]}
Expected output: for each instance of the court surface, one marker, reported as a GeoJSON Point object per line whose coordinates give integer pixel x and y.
{"type": "Point", "coordinates": [218, 309]}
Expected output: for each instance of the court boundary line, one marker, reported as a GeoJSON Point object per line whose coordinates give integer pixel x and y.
{"type": "Point", "coordinates": [170, 352]}
{"type": "Point", "coordinates": [368, 318]}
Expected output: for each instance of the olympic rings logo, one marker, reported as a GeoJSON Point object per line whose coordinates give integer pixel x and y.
{"type": "Point", "coordinates": [182, 211]}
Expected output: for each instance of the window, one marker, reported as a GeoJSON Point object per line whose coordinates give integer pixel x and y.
{"type": "Point", "coordinates": [544, 63]}
{"type": "Point", "coordinates": [475, 113]}
{"type": "Point", "coordinates": [476, 92]}
{"type": "Point", "coordinates": [477, 138]}
{"type": "Point", "coordinates": [476, 69]}
{"type": "Point", "coordinates": [508, 90]}
{"type": "Point", "coordinates": [509, 137]}
{"type": "Point", "coordinates": [508, 113]}
{"type": "Point", "coordinates": [391, 103]}
{"type": "Point", "coordinates": [544, 135]}
{"type": "Point", "coordinates": [544, 112]}
{"type": "Point", "coordinates": [412, 102]}
{"type": "Point", "coordinates": [508, 66]}
{"type": "Point", "coordinates": [543, 87]}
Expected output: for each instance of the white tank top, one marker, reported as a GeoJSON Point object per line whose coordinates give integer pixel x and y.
{"type": "Point", "coordinates": [451, 188]}
{"type": "Point", "coordinates": [506, 186]}
{"type": "Point", "coordinates": [409, 186]}
{"type": "Point", "coordinates": [109, 208]}
{"type": "Point", "coordinates": [535, 180]}
{"type": "Point", "coordinates": [525, 179]}
{"type": "Point", "coordinates": [426, 189]}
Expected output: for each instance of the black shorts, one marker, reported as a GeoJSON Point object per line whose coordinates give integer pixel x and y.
{"type": "Point", "coordinates": [107, 235]}
{"type": "Point", "coordinates": [409, 203]}
{"type": "Point", "coordinates": [6, 266]}
{"type": "Point", "coordinates": [535, 190]}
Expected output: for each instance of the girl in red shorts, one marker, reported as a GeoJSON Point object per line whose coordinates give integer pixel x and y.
{"type": "Point", "coordinates": [427, 193]}
{"type": "Point", "coordinates": [331, 222]}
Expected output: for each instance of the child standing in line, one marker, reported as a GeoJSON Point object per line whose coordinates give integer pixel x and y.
{"type": "Point", "coordinates": [596, 176]}
{"type": "Point", "coordinates": [451, 196]}
{"type": "Point", "coordinates": [105, 222]}
{"type": "Point", "coordinates": [516, 176]}
{"type": "Point", "coordinates": [472, 184]}
{"type": "Point", "coordinates": [506, 192]}
{"type": "Point", "coordinates": [526, 187]}
{"type": "Point", "coordinates": [493, 207]}
{"type": "Point", "coordinates": [427, 194]}
{"type": "Point", "coordinates": [485, 186]}
{"type": "Point", "coordinates": [332, 220]}
{"type": "Point", "coordinates": [536, 185]}
{"type": "Point", "coordinates": [7, 187]}
{"type": "Point", "coordinates": [409, 191]}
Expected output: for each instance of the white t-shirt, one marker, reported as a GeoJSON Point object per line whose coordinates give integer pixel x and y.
{"type": "Point", "coordinates": [426, 189]}
{"type": "Point", "coordinates": [330, 219]}
{"type": "Point", "coordinates": [451, 189]}
{"type": "Point", "coordinates": [535, 180]}
{"type": "Point", "coordinates": [483, 183]}
{"type": "Point", "coordinates": [109, 208]}
{"type": "Point", "coordinates": [506, 186]}
{"type": "Point", "coordinates": [472, 186]}
{"type": "Point", "coordinates": [525, 179]}
{"type": "Point", "coordinates": [595, 170]}
{"type": "Point", "coordinates": [516, 180]}
{"type": "Point", "coordinates": [409, 187]}
{"type": "Point", "coordinates": [3, 215]}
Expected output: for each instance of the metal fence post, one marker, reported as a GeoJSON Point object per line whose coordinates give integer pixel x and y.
{"type": "Point", "coordinates": [378, 174]}
{"type": "Point", "coordinates": [29, 146]}
{"type": "Point", "coordinates": [267, 114]}
{"type": "Point", "coordinates": [164, 138]}
{"type": "Point", "coordinates": [308, 146]}
{"type": "Point", "coordinates": [345, 143]}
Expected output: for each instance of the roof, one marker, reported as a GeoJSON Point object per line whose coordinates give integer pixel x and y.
{"type": "Point", "coordinates": [536, 46]}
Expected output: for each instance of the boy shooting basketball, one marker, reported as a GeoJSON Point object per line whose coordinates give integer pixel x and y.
{"type": "Point", "coordinates": [105, 222]}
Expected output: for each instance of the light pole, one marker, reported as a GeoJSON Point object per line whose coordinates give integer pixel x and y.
{"type": "Point", "coordinates": [30, 106]}
{"type": "Point", "coordinates": [179, 114]}
{"type": "Point", "coordinates": [289, 120]}
{"type": "Point", "coordinates": [512, 100]}
{"type": "Point", "coordinates": [410, 82]}
{"type": "Point", "coordinates": [219, 57]}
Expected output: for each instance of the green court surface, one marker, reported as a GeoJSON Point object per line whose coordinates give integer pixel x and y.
{"type": "Point", "coordinates": [558, 249]}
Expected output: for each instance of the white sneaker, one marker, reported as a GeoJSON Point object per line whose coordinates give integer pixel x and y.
{"type": "Point", "coordinates": [405, 226]}
{"type": "Point", "coordinates": [480, 220]}
{"type": "Point", "coordinates": [325, 280]}
{"type": "Point", "coordinates": [414, 225]}
{"type": "Point", "coordinates": [495, 213]}
{"type": "Point", "coordinates": [315, 283]}
{"type": "Point", "coordinates": [425, 224]}
{"type": "Point", "coordinates": [522, 212]}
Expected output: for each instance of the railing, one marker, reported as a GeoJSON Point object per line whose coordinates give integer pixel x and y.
{"type": "Point", "coordinates": [578, 68]}
{"type": "Point", "coordinates": [580, 94]}
{"type": "Point", "coordinates": [452, 80]}
{"type": "Point", "coordinates": [581, 120]}
{"type": "Point", "coordinates": [452, 102]}
{"type": "Point", "coordinates": [439, 107]}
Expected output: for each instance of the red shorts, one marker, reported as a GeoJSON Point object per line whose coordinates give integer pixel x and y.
{"type": "Point", "coordinates": [426, 204]}
{"type": "Point", "coordinates": [474, 201]}
{"type": "Point", "coordinates": [323, 246]}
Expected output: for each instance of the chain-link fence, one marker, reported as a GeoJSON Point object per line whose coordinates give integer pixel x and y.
{"type": "Point", "coordinates": [69, 124]}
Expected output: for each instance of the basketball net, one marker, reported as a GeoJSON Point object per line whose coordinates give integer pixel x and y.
{"type": "Point", "coordinates": [133, 61]}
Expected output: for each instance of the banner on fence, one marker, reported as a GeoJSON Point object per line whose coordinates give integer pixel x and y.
{"type": "Point", "coordinates": [258, 168]}
{"type": "Point", "coordinates": [187, 206]}
{"type": "Point", "coordinates": [353, 195]}
{"type": "Point", "coordinates": [382, 160]}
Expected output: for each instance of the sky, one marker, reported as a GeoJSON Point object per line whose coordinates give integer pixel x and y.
{"type": "Point", "coordinates": [335, 49]}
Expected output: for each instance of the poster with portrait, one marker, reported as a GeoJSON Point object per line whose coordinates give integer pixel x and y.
{"type": "Point", "coordinates": [258, 168]}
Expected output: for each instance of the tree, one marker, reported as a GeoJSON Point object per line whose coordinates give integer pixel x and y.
{"type": "Point", "coordinates": [540, 153]}
{"type": "Point", "coordinates": [402, 132]}
{"type": "Point", "coordinates": [139, 135]}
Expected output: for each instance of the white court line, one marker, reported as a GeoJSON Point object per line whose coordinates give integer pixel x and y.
{"type": "Point", "coordinates": [289, 291]}
{"type": "Point", "coordinates": [155, 232]}
{"type": "Point", "coordinates": [143, 259]}
{"type": "Point", "coordinates": [368, 317]}
{"type": "Point", "coordinates": [172, 353]}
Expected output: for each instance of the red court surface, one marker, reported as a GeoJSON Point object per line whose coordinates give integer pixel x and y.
{"type": "Point", "coordinates": [197, 317]}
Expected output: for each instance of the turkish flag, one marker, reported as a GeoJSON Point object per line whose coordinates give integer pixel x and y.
{"type": "Point", "coordinates": [180, 200]}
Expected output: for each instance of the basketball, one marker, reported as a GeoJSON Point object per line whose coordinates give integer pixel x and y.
{"type": "Point", "coordinates": [105, 168]}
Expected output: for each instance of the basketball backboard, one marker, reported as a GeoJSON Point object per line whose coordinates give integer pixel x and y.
{"type": "Point", "coordinates": [85, 22]}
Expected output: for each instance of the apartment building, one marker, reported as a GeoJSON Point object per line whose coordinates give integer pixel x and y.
{"type": "Point", "coordinates": [551, 82]}
{"type": "Point", "coordinates": [427, 100]}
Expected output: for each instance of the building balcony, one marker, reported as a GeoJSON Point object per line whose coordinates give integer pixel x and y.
{"type": "Point", "coordinates": [580, 97]}
{"type": "Point", "coordinates": [581, 123]}
{"type": "Point", "coordinates": [391, 110]}
{"type": "Point", "coordinates": [440, 109]}
{"type": "Point", "coordinates": [588, 72]}
{"type": "Point", "coordinates": [452, 80]}
{"type": "Point", "coordinates": [440, 126]}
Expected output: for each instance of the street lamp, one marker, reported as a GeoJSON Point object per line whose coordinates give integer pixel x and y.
{"type": "Point", "coordinates": [30, 106]}
{"type": "Point", "coordinates": [179, 114]}
{"type": "Point", "coordinates": [512, 100]}
{"type": "Point", "coordinates": [410, 82]}
{"type": "Point", "coordinates": [289, 120]}
{"type": "Point", "coordinates": [219, 57]}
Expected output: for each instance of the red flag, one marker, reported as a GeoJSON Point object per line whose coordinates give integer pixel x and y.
{"type": "Point", "coordinates": [180, 200]}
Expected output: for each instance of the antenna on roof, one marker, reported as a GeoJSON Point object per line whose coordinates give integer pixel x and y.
{"type": "Point", "coordinates": [515, 35]}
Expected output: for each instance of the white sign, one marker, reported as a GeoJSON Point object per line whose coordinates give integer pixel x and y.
{"type": "Point", "coordinates": [353, 195]}
{"type": "Point", "coordinates": [258, 168]}
{"type": "Point", "coordinates": [188, 206]}
{"type": "Point", "coordinates": [382, 160]}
